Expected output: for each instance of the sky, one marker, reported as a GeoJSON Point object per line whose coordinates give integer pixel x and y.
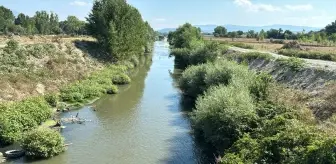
{"type": "Point", "coordinates": [172, 13]}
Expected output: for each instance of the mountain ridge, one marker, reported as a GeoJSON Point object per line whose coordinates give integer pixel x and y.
{"type": "Point", "coordinates": [230, 27]}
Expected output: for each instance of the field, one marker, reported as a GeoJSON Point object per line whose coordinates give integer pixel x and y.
{"type": "Point", "coordinates": [266, 45]}
{"type": "Point", "coordinates": [37, 65]}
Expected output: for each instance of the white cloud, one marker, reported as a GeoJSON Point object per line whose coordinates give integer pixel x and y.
{"type": "Point", "coordinates": [299, 7]}
{"type": "Point", "coordinates": [247, 4]}
{"type": "Point", "coordinates": [80, 3]}
{"type": "Point", "coordinates": [160, 19]}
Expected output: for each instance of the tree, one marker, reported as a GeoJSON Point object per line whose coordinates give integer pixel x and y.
{"type": "Point", "coordinates": [272, 33]}
{"type": "Point", "coordinates": [42, 22]}
{"type": "Point", "coordinates": [73, 26]}
{"type": "Point", "coordinates": [6, 18]}
{"type": "Point", "coordinates": [240, 33]}
{"type": "Point", "coordinates": [261, 35]}
{"type": "Point", "coordinates": [21, 19]}
{"type": "Point", "coordinates": [331, 28]}
{"type": "Point", "coordinates": [251, 34]}
{"type": "Point", "coordinates": [220, 31]}
{"type": "Point", "coordinates": [118, 27]}
{"type": "Point", "coordinates": [233, 35]}
{"type": "Point", "coordinates": [186, 36]}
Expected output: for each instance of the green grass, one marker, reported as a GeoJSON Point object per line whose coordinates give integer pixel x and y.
{"type": "Point", "coordinates": [295, 64]}
{"type": "Point", "coordinates": [237, 44]}
{"type": "Point", "coordinates": [249, 56]}
{"type": "Point", "coordinates": [330, 56]}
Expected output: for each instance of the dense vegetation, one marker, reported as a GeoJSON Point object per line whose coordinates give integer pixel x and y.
{"type": "Point", "coordinates": [22, 116]}
{"type": "Point", "coordinates": [119, 28]}
{"type": "Point", "coordinates": [326, 35]}
{"type": "Point", "coordinates": [251, 119]}
{"type": "Point", "coordinates": [43, 143]}
{"type": "Point", "coordinates": [41, 23]}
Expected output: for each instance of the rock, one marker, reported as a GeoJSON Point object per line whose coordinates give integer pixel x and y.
{"type": "Point", "coordinates": [40, 88]}
{"type": "Point", "coordinates": [1, 155]}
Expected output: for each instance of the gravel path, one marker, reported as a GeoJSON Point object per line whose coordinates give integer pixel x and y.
{"type": "Point", "coordinates": [330, 65]}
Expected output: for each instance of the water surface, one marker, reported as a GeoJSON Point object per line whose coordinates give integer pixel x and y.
{"type": "Point", "coordinates": [143, 124]}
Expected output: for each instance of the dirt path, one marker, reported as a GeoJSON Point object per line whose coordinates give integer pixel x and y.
{"type": "Point", "coordinates": [329, 65]}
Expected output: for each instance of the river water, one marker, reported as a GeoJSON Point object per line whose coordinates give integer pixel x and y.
{"type": "Point", "coordinates": [144, 124]}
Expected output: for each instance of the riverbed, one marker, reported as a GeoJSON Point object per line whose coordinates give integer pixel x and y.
{"type": "Point", "coordinates": [145, 123]}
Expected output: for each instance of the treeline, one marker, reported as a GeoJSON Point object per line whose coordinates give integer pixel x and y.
{"type": "Point", "coordinates": [41, 23]}
{"type": "Point", "coordinates": [326, 34]}
{"type": "Point", "coordinates": [244, 115]}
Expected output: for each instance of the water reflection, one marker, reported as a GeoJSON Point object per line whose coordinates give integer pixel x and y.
{"type": "Point", "coordinates": [147, 122]}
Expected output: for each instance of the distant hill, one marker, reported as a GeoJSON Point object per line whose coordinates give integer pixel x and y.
{"type": "Point", "coordinates": [210, 28]}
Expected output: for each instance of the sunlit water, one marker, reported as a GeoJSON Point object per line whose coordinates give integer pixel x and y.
{"type": "Point", "coordinates": [143, 124]}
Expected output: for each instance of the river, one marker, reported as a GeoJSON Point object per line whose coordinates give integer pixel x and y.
{"type": "Point", "coordinates": [144, 124]}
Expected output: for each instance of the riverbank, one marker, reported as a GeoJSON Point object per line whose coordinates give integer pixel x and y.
{"type": "Point", "coordinates": [19, 117]}
{"type": "Point", "coordinates": [246, 115]}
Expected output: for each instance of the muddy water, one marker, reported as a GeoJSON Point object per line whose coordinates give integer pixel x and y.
{"type": "Point", "coordinates": [143, 124]}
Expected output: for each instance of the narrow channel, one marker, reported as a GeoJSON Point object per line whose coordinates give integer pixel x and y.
{"type": "Point", "coordinates": [144, 124]}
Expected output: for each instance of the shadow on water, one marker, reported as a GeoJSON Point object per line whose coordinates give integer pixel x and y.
{"type": "Point", "coordinates": [202, 152]}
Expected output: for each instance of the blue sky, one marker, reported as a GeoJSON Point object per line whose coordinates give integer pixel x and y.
{"type": "Point", "coordinates": [171, 13]}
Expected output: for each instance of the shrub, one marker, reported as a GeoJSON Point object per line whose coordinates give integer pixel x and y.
{"type": "Point", "coordinates": [260, 88]}
{"type": "Point", "coordinates": [249, 56]}
{"type": "Point", "coordinates": [43, 143]}
{"type": "Point", "coordinates": [295, 64]}
{"type": "Point", "coordinates": [224, 114]}
{"type": "Point", "coordinates": [120, 79]}
{"type": "Point", "coordinates": [197, 79]}
{"type": "Point", "coordinates": [330, 56]}
{"type": "Point", "coordinates": [22, 116]}
{"type": "Point", "coordinates": [112, 90]}
{"type": "Point", "coordinates": [11, 46]}
{"type": "Point", "coordinates": [52, 99]}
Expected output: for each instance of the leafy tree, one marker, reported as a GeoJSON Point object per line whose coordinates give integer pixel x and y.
{"type": "Point", "coordinates": [21, 19]}
{"type": "Point", "coordinates": [251, 34]}
{"type": "Point", "coordinates": [6, 18]}
{"type": "Point", "coordinates": [240, 33]}
{"type": "Point", "coordinates": [186, 36]}
{"type": "Point", "coordinates": [42, 19]}
{"type": "Point", "coordinates": [261, 35]}
{"type": "Point", "coordinates": [118, 27]}
{"type": "Point", "coordinates": [331, 28]}
{"type": "Point", "coordinates": [220, 31]}
{"type": "Point", "coordinates": [233, 35]}
{"type": "Point", "coordinates": [272, 33]}
{"type": "Point", "coordinates": [73, 26]}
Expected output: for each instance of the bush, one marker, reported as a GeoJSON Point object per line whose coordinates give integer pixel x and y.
{"type": "Point", "coordinates": [330, 56]}
{"type": "Point", "coordinates": [121, 79]}
{"type": "Point", "coordinates": [197, 79]}
{"type": "Point", "coordinates": [22, 116]}
{"type": "Point", "coordinates": [224, 114]}
{"type": "Point", "coordinates": [11, 46]}
{"type": "Point", "coordinates": [295, 64]}
{"type": "Point", "coordinates": [112, 90]}
{"type": "Point", "coordinates": [52, 99]}
{"type": "Point", "coordinates": [43, 143]}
